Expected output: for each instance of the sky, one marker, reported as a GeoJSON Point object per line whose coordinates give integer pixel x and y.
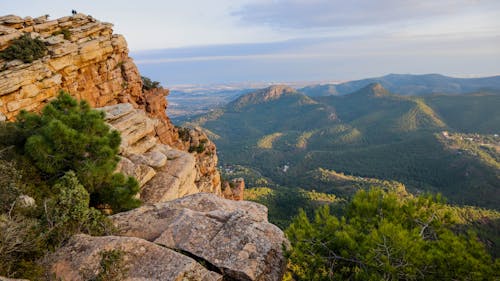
{"type": "Point", "coordinates": [222, 41]}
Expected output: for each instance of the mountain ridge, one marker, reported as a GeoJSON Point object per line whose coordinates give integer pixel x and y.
{"type": "Point", "coordinates": [410, 84]}
{"type": "Point", "coordinates": [369, 133]}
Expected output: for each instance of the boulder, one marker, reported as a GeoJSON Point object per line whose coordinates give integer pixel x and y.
{"type": "Point", "coordinates": [80, 259]}
{"type": "Point", "coordinates": [233, 236]}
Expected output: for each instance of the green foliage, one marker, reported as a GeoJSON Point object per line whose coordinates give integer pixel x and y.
{"type": "Point", "coordinates": [284, 203]}
{"type": "Point", "coordinates": [19, 242]}
{"type": "Point", "coordinates": [111, 267]}
{"type": "Point", "coordinates": [362, 135]}
{"type": "Point", "coordinates": [386, 236]}
{"type": "Point", "coordinates": [24, 48]}
{"type": "Point", "coordinates": [39, 213]}
{"type": "Point", "coordinates": [70, 136]}
{"type": "Point", "coordinates": [148, 84]}
{"type": "Point", "coordinates": [68, 212]}
{"type": "Point", "coordinates": [183, 133]}
{"type": "Point", "coordinates": [120, 193]}
{"type": "Point", "coordinates": [65, 32]}
{"type": "Point", "coordinates": [199, 148]}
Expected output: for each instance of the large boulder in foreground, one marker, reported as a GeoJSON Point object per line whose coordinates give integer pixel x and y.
{"type": "Point", "coordinates": [233, 236]}
{"type": "Point", "coordinates": [80, 259]}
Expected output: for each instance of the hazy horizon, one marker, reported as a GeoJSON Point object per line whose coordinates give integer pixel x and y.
{"type": "Point", "coordinates": [206, 42]}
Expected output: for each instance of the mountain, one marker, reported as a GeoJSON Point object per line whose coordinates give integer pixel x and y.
{"type": "Point", "coordinates": [407, 84]}
{"type": "Point", "coordinates": [285, 136]}
{"type": "Point", "coordinates": [261, 96]}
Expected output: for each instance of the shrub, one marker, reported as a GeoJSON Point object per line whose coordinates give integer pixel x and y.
{"type": "Point", "coordinates": [183, 133]}
{"type": "Point", "coordinates": [111, 267]}
{"type": "Point", "coordinates": [70, 136]}
{"type": "Point", "coordinates": [199, 149]}
{"type": "Point", "coordinates": [148, 84]}
{"type": "Point", "coordinates": [19, 241]}
{"type": "Point", "coordinates": [25, 48]}
{"type": "Point", "coordinates": [65, 32]}
{"type": "Point", "coordinates": [68, 212]}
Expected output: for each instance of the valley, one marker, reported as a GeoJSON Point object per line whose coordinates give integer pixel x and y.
{"type": "Point", "coordinates": [294, 140]}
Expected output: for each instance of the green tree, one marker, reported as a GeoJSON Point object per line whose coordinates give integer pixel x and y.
{"type": "Point", "coordinates": [68, 212]}
{"type": "Point", "coordinates": [386, 236]}
{"type": "Point", "coordinates": [70, 136]}
{"type": "Point", "coordinates": [148, 84]}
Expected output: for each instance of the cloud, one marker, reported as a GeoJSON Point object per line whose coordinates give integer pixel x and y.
{"type": "Point", "coordinates": [304, 14]}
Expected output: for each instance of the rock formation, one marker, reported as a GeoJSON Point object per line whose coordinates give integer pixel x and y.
{"type": "Point", "coordinates": [164, 173]}
{"type": "Point", "coordinates": [93, 64]}
{"type": "Point", "coordinates": [80, 258]}
{"type": "Point", "coordinates": [199, 236]}
{"type": "Point", "coordinates": [234, 189]}
{"type": "Point", "coordinates": [233, 236]}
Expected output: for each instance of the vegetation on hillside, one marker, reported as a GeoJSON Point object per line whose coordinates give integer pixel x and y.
{"type": "Point", "coordinates": [56, 168]}
{"type": "Point", "coordinates": [367, 134]}
{"type": "Point", "coordinates": [24, 48]}
{"type": "Point", "coordinates": [386, 236]}
{"type": "Point", "coordinates": [285, 203]}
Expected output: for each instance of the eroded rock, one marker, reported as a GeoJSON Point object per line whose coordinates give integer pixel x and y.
{"type": "Point", "coordinates": [234, 236]}
{"type": "Point", "coordinates": [80, 259]}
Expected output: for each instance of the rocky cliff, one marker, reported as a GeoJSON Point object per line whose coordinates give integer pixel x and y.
{"type": "Point", "coordinates": [181, 232]}
{"type": "Point", "coordinates": [86, 59]}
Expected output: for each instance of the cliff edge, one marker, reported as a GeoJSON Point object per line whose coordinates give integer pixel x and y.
{"type": "Point", "coordinates": [185, 230]}
{"type": "Point", "coordinates": [87, 60]}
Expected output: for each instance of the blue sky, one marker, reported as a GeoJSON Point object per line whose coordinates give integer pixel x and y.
{"type": "Point", "coordinates": [180, 42]}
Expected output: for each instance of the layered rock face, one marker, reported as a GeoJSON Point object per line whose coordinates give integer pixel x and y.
{"type": "Point", "coordinates": [93, 64]}
{"type": "Point", "coordinates": [164, 173]}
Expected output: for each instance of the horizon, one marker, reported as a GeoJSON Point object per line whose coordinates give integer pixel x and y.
{"type": "Point", "coordinates": [302, 83]}
{"type": "Point", "coordinates": [224, 41]}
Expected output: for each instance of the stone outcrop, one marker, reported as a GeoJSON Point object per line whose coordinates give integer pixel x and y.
{"type": "Point", "coordinates": [80, 259]}
{"type": "Point", "coordinates": [234, 189]}
{"type": "Point", "coordinates": [233, 236]}
{"type": "Point", "coordinates": [164, 173]}
{"type": "Point", "coordinates": [93, 64]}
{"type": "Point", "coordinates": [199, 236]}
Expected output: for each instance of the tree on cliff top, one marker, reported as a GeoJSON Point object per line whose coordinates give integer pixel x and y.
{"type": "Point", "coordinates": [148, 84]}
{"type": "Point", "coordinates": [70, 136]}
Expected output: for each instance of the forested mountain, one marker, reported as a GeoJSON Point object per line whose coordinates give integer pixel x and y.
{"type": "Point", "coordinates": [299, 141]}
{"type": "Point", "coordinates": [407, 84]}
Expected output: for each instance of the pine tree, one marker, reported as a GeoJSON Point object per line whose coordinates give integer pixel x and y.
{"type": "Point", "coordinates": [70, 136]}
{"type": "Point", "coordinates": [387, 236]}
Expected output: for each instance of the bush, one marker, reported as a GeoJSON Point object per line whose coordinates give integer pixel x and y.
{"type": "Point", "coordinates": [65, 32]}
{"type": "Point", "coordinates": [148, 84]}
{"type": "Point", "coordinates": [19, 241]}
{"type": "Point", "coordinates": [70, 136]}
{"type": "Point", "coordinates": [25, 48]}
{"type": "Point", "coordinates": [68, 212]}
